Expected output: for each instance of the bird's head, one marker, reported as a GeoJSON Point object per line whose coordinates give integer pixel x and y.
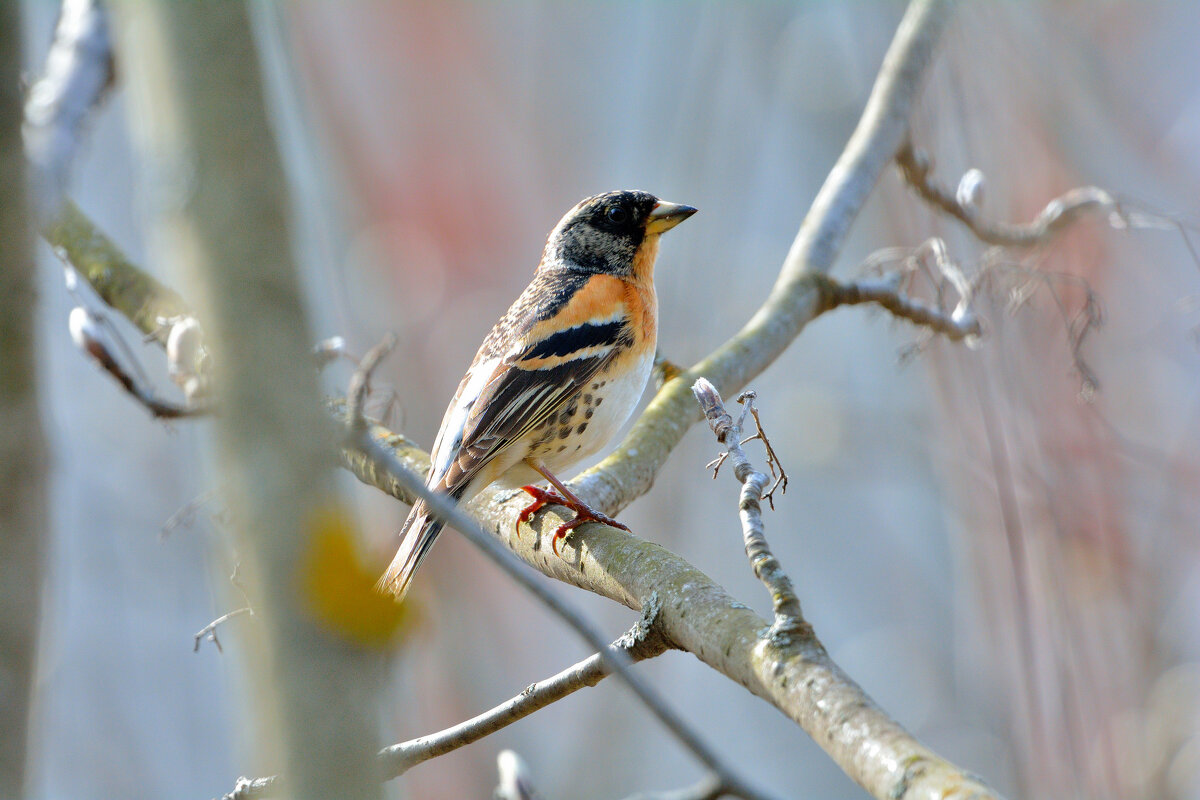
{"type": "Point", "coordinates": [615, 232]}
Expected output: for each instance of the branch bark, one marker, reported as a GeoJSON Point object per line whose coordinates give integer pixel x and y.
{"type": "Point", "coordinates": [793, 673]}
{"type": "Point", "coordinates": [798, 677]}
{"type": "Point", "coordinates": [120, 283]}
{"type": "Point", "coordinates": [78, 73]}
{"type": "Point", "coordinates": [23, 515]}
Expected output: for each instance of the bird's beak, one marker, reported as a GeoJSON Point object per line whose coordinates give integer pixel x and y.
{"type": "Point", "coordinates": [666, 216]}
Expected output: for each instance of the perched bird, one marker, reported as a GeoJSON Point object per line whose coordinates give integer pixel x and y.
{"type": "Point", "coordinates": [558, 375]}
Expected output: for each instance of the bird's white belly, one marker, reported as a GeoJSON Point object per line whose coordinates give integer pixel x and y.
{"type": "Point", "coordinates": [599, 411]}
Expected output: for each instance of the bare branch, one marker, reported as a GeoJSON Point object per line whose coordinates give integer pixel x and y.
{"type": "Point", "coordinates": [642, 641]}
{"type": "Point", "coordinates": [886, 293]}
{"type": "Point", "coordinates": [796, 298]}
{"type": "Point", "coordinates": [773, 462]}
{"type": "Point", "coordinates": [117, 281]}
{"type": "Point", "coordinates": [92, 337]}
{"type": "Point", "coordinates": [797, 676]}
{"type": "Point", "coordinates": [78, 73]}
{"type": "Point", "coordinates": [916, 167]}
{"type": "Point", "coordinates": [789, 620]}
{"type": "Point", "coordinates": [1078, 325]}
{"type": "Point", "coordinates": [360, 382]}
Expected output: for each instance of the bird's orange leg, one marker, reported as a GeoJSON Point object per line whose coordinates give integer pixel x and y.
{"type": "Point", "coordinates": [563, 497]}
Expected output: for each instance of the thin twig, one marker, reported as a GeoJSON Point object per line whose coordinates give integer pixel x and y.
{"type": "Point", "coordinates": [886, 293]}
{"type": "Point", "coordinates": [209, 631]}
{"type": "Point", "coordinates": [916, 167]}
{"type": "Point", "coordinates": [800, 679]}
{"type": "Point", "coordinates": [360, 381]}
{"type": "Point", "coordinates": [773, 462]}
{"type": "Point", "coordinates": [789, 620]}
{"type": "Point", "coordinates": [640, 642]}
{"type": "Point", "coordinates": [1077, 325]}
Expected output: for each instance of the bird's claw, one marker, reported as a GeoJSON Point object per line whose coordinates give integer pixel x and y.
{"type": "Point", "coordinates": [583, 513]}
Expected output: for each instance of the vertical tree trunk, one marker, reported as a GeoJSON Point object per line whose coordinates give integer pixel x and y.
{"type": "Point", "coordinates": [222, 219]}
{"type": "Point", "coordinates": [22, 447]}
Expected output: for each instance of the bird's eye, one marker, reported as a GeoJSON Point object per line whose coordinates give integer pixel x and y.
{"type": "Point", "coordinates": [616, 215]}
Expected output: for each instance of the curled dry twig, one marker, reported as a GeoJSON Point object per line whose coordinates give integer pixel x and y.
{"type": "Point", "coordinates": [95, 338]}
{"type": "Point", "coordinates": [916, 167]}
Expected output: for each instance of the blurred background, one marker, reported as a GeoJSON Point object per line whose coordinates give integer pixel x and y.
{"type": "Point", "coordinates": [1003, 554]}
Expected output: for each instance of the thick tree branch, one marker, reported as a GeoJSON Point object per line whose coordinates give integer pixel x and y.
{"type": "Point", "coordinates": [794, 673]}
{"type": "Point", "coordinates": [119, 282]}
{"type": "Point", "coordinates": [362, 439]}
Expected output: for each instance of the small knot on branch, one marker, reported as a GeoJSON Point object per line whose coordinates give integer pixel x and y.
{"type": "Point", "coordinates": [645, 639]}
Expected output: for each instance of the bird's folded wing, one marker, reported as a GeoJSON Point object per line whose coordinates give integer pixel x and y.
{"type": "Point", "coordinates": [520, 391]}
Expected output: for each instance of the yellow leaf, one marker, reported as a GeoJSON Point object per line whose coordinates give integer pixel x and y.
{"type": "Point", "coordinates": [340, 587]}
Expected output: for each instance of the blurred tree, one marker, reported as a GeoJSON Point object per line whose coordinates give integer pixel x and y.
{"type": "Point", "coordinates": [23, 518]}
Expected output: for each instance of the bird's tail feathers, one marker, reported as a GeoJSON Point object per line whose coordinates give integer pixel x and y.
{"type": "Point", "coordinates": [416, 540]}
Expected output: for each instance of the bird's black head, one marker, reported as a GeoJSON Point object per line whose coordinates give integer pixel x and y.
{"type": "Point", "coordinates": [605, 233]}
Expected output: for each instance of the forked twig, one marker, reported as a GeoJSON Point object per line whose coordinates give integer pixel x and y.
{"type": "Point", "coordinates": [788, 617]}
{"type": "Point", "coordinates": [209, 631]}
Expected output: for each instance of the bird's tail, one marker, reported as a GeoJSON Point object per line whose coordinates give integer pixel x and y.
{"type": "Point", "coordinates": [416, 540]}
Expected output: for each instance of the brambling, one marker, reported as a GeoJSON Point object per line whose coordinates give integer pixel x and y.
{"type": "Point", "coordinates": [559, 374]}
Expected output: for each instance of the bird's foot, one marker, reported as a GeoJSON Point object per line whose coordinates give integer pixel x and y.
{"type": "Point", "coordinates": [583, 513]}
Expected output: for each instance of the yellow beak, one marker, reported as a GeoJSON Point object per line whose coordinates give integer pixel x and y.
{"type": "Point", "coordinates": [666, 216]}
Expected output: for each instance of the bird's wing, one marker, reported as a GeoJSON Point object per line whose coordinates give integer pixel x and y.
{"type": "Point", "coordinates": [534, 362]}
